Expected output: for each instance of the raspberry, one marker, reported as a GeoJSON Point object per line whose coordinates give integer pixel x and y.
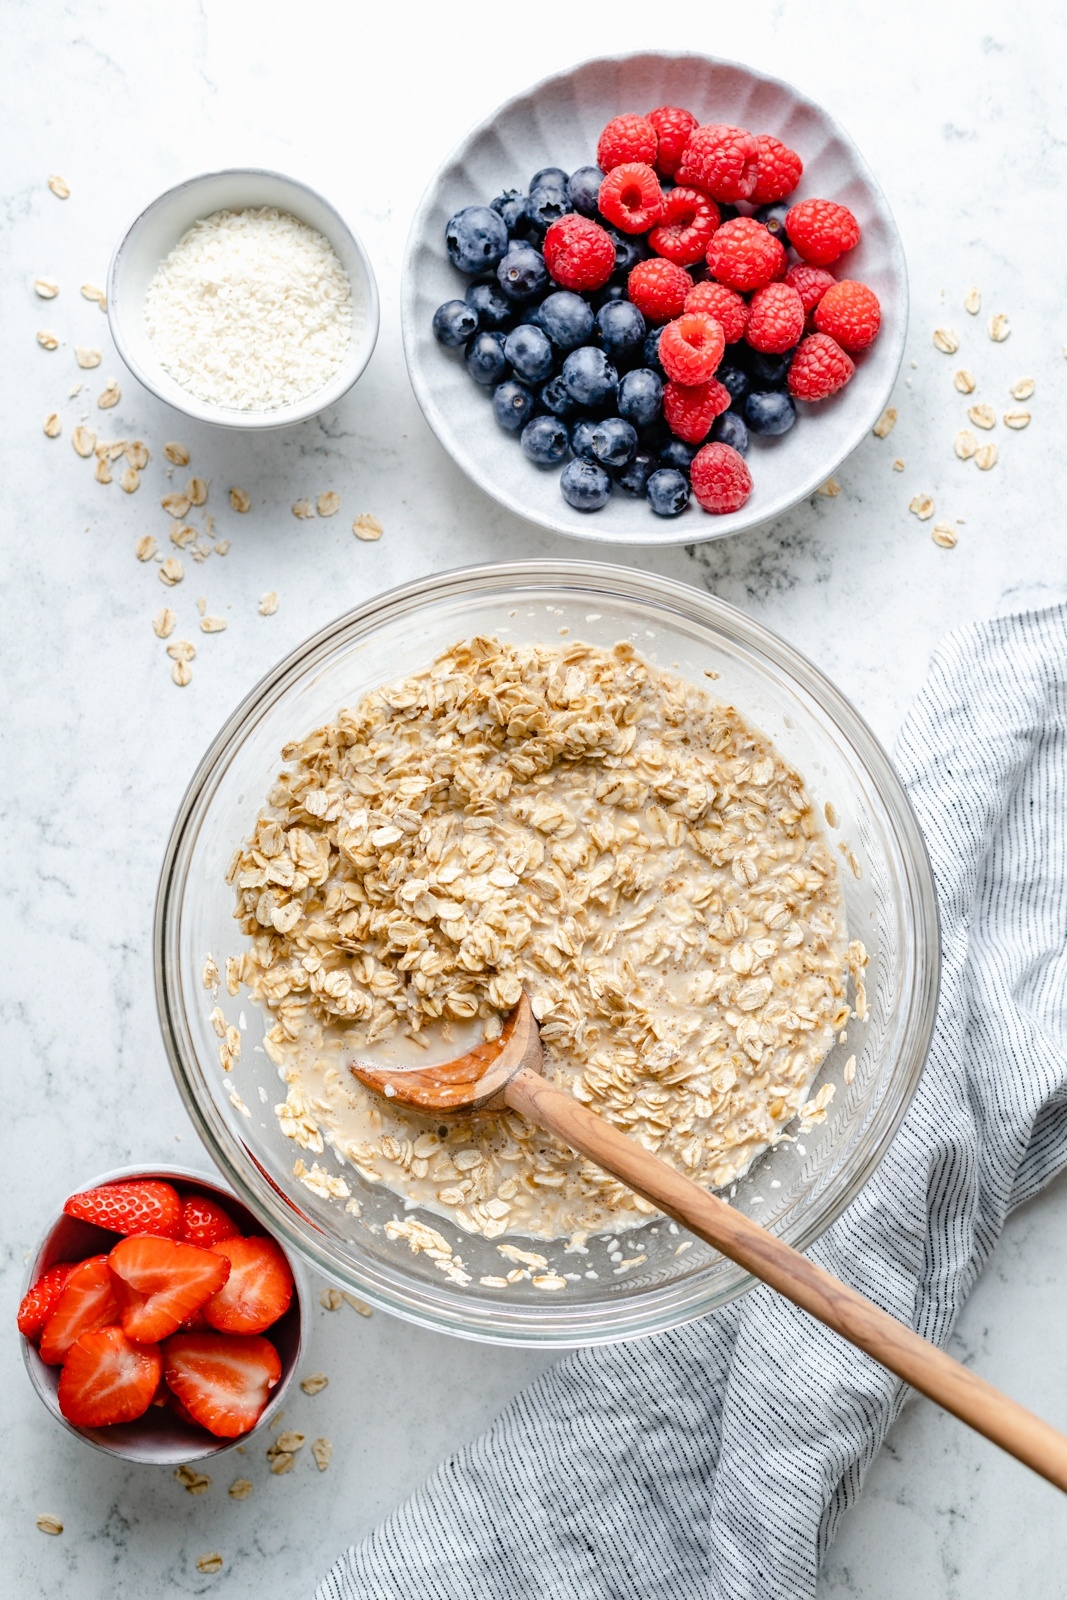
{"type": "Point", "coordinates": [578, 253]}
{"type": "Point", "coordinates": [779, 171]}
{"type": "Point", "coordinates": [849, 312]}
{"type": "Point", "coordinates": [689, 220]}
{"type": "Point", "coordinates": [775, 319]}
{"type": "Point", "coordinates": [821, 230]}
{"type": "Point", "coordinates": [673, 127]}
{"type": "Point", "coordinates": [631, 198]}
{"type": "Point", "coordinates": [722, 161]}
{"type": "Point", "coordinates": [743, 255]}
{"type": "Point", "coordinates": [690, 409]}
{"type": "Point", "coordinates": [658, 288]}
{"type": "Point", "coordinates": [629, 138]}
{"type": "Point", "coordinates": [725, 305]}
{"type": "Point", "coordinates": [810, 283]}
{"type": "Point", "coordinates": [819, 368]}
{"type": "Point", "coordinates": [691, 347]}
{"type": "Point", "coordinates": [720, 479]}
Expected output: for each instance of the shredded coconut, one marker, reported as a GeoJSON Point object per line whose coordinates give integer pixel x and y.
{"type": "Point", "coordinates": [251, 310]}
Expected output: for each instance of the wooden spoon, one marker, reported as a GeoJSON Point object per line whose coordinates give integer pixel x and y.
{"type": "Point", "coordinates": [508, 1073]}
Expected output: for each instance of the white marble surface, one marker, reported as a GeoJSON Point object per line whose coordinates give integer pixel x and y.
{"type": "Point", "coordinates": [959, 109]}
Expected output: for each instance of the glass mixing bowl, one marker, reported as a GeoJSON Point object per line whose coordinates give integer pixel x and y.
{"type": "Point", "coordinates": [797, 1188]}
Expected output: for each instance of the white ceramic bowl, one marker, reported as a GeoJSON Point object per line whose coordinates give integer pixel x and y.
{"type": "Point", "coordinates": [160, 1438]}
{"type": "Point", "coordinates": [155, 231]}
{"type": "Point", "coordinates": [557, 123]}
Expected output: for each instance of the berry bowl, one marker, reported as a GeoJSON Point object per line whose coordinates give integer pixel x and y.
{"type": "Point", "coordinates": [556, 125]}
{"type": "Point", "coordinates": [160, 1437]}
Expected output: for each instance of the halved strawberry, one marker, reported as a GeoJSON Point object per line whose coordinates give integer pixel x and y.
{"type": "Point", "coordinates": [86, 1302]}
{"type": "Point", "coordinates": [159, 1282]}
{"type": "Point", "coordinates": [39, 1302]}
{"type": "Point", "coordinates": [258, 1289]}
{"type": "Point", "coordinates": [204, 1221]}
{"type": "Point", "coordinates": [146, 1206]}
{"type": "Point", "coordinates": [223, 1381]}
{"type": "Point", "coordinates": [179, 1410]}
{"type": "Point", "coordinates": [107, 1378]}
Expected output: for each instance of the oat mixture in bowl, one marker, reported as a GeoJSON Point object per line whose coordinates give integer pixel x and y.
{"type": "Point", "coordinates": [415, 1230]}
{"type": "Point", "coordinates": [570, 819]}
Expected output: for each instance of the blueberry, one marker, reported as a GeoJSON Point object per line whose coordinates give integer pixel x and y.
{"type": "Point", "coordinates": [566, 318]}
{"type": "Point", "coordinates": [583, 190]}
{"type": "Point", "coordinates": [476, 238]}
{"type": "Point", "coordinates": [630, 248]}
{"type": "Point", "coordinates": [582, 437]}
{"type": "Point", "coordinates": [650, 355]}
{"type": "Point", "coordinates": [773, 219]}
{"type": "Point", "coordinates": [640, 397]}
{"type": "Point", "coordinates": [614, 441]}
{"type": "Point", "coordinates": [635, 475]}
{"type": "Point", "coordinates": [610, 291]}
{"type": "Point", "coordinates": [511, 206]}
{"type": "Point", "coordinates": [493, 310]}
{"type": "Point", "coordinates": [590, 377]}
{"type": "Point", "coordinates": [529, 352]}
{"type": "Point", "coordinates": [585, 486]}
{"type": "Point", "coordinates": [622, 329]}
{"type": "Point", "coordinates": [454, 322]}
{"type": "Point", "coordinates": [522, 272]}
{"type": "Point", "coordinates": [768, 370]}
{"type": "Point", "coordinates": [769, 412]}
{"type": "Point", "coordinates": [736, 381]}
{"type": "Point", "coordinates": [729, 429]}
{"type": "Point", "coordinates": [547, 203]}
{"type": "Point", "coordinates": [549, 177]}
{"type": "Point", "coordinates": [668, 492]}
{"type": "Point", "coordinates": [554, 397]}
{"type": "Point", "coordinates": [545, 441]}
{"type": "Point", "coordinates": [513, 405]}
{"type": "Point", "coordinates": [677, 454]}
{"type": "Point", "coordinates": [485, 358]}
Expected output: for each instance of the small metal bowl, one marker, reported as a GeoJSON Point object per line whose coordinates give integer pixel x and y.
{"type": "Point", "coordinates": [160, 1438]}
{"type": "Point", "coordinates": [155, 231]}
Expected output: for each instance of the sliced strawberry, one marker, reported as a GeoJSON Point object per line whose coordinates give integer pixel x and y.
{"type": "Point", "coordinates": [147, 1206]}
{"type": "Point", "coordinates": [223, 1381]}
{"type": "Point", "coordinates": [107, 1378]}
{"type": "Point", "coordinates": [204, 1221]}
{"type": "Point", "coordinates": [197, 1323]}
{"type": "Point", "coordinates": [39, 1302]}
{"type": "Point", "coordinates": [86, 1302]}
{"type": "Point", "coordinates": [179, 1410]}
{"type": "Point", "coordinates": [258, 1289]}
{"type": "Point", "coordinates": [159, 1282]}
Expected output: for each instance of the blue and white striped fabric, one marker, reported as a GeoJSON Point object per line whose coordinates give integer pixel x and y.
{"type": "Point", "coordinates": [714, 1462]}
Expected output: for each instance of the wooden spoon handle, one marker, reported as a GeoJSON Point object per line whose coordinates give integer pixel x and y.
{"type": "Point", "coordinates": [842, 1308]}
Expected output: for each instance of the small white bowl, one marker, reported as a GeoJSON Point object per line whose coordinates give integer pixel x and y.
{"type": "Point", "coordinates": [557, 122]}
{"type": "Point", "coordinates": [160, 1438]}
{"type": "Point", "coordinates": [156, 230]}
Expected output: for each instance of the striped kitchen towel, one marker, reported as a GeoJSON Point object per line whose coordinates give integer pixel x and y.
{"type": "Point", "coordinates": [714, 1462]}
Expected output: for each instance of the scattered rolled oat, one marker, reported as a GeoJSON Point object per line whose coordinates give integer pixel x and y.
{"type": "Point", "coordinates": [290, 1441]}
{"type": "Point", "coordinates": [209, 1563]}
{"type": "Point", "coordinates": [946, 341]}
{"type": "Point", "coordinates": [84, 441]}
{"type": "Point", "coordinates": [965, 381]}
{"type": "Point", "coordinates": [240, 501]}
{"type": "Point", "coordinates": [103, 470]}
{"type": "Point", "coordinates": [182, 673]}
{"type": "Point", "coordinates": [367, 527]}
{"type": "Point", "coordinates": [196, 489]}
{"type": "Point", "coordinates": [212, 624]}
{"type": "Point", "coordinates": [49, 1524]}
{"type": "Point", "coordinates": [46, 288]}
{"type": "Point", "coordinates": [550, 1280]}
{"type": "Point", "coordinates": [850, 1065]}
{"type": "Point", "coordinates": [1023, 389]}
{"type": "Point", "coordinates": [328, 504]}
{"type": "Point", "coordinates": [1017, 419]}
{"type": "Point", "coordinates": [240, 1488]}
{"type": "Point", "coordinates": [136, 453]}
{"type": "Point", "coordinates": [886, 423]}
{"type": "Point", "coordinates": [830, 489]}
{"type": "Point", "coordinates": [222, 546]}
{"type": "Point", "coordinates": [175, 505]}
{"type": "Point", "coordinates": [314, 1383]}
{"type": "Point", "coordinates": [983, 416]}
{"type": "Point", "coordinates": [145, 548]}
{"type": "Point", "coordinates": [53, 427]}
{"type": "Point", "coordinates": [965, 444]}
{"type": "Point", "coordinates": [268, 604]}
{"type": "Point", "coordinates": [322, 1450]}
{"type": "Point", "coordinates": [59, 186]}
{"type": "Point", "coordinates": [357, 1305]}
{"type": "Point", "coordinates": [171, 572]}
{"type": "Point", "coordinates": [47, 341]}
{"type": "Point", "coordinates": [192, 1482]}
{"type": "Point", "coordinates": [972, 301]}
{"type": "Point", "coordinates": [999, 327]}
{"type": "Point", "coordinates": [944, 534]}
{"type": "Point", "coordinates": [130, 480]}
{"type": "Point", "coordinates": [330, 1299]}
{"type": "Point", "coordinates": [184, 650]}
{"type": "Point", "coordinates": [176, 454]}
{"type": "Point", "coordinates": [109, 396]}
{"type": "Point", "coordinates": [163, 626]}
{"type": "Point", "coordinates": [284, 1461]}
{"type": "Point", "coordinates": [303, 510]}
{"type": "Point", "coordinates": [91, 292]}
{"type": "Point", "coordinates": [898, 465]}
{"type": "Point", "coordinates": [921, 506]}
{"type": "Point", "coordinates": [986, 456]}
